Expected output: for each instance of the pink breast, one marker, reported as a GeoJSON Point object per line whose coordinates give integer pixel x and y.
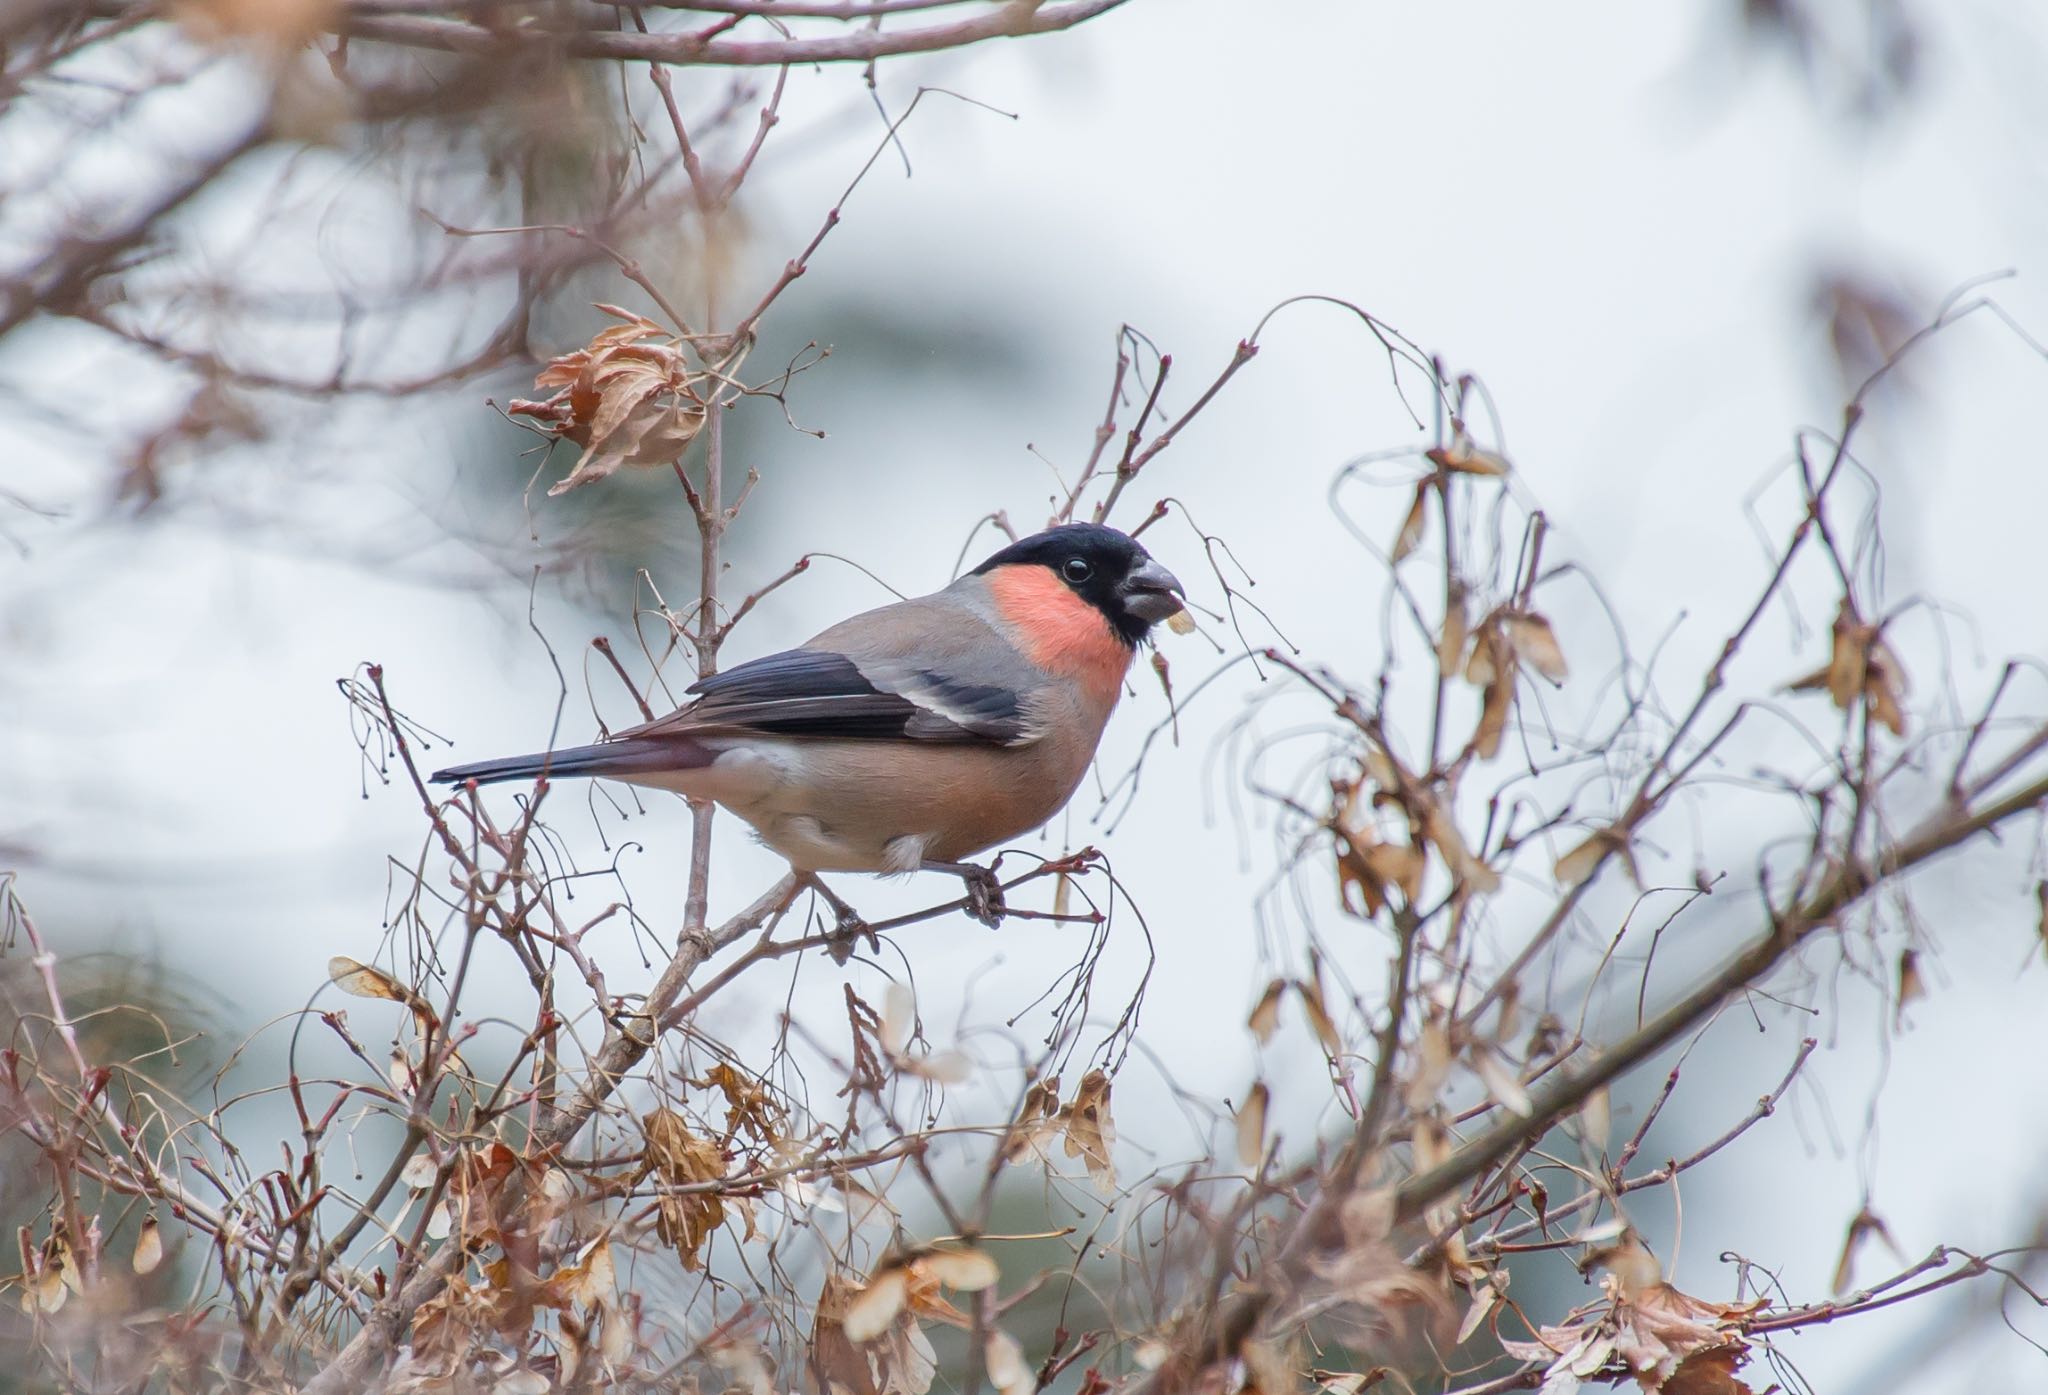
{"type": "Point", "coordinates": [1059, 631]}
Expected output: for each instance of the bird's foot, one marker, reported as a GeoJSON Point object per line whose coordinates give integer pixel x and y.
{"type": "Point", "coordinates": [984, 892]}
{"type": "Point", "coordinates": [848, 929]}
{"type": "Point", "coordinates": [846, 935]}
{"type": "Point", "coordinates": [984, 896]}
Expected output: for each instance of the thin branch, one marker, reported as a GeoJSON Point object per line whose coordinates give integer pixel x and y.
{"type": "Point", "coordinates": [858, 46]}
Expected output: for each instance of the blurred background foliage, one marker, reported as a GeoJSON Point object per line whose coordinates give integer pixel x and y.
{"type": "Point", "coordinates": [193, 549]}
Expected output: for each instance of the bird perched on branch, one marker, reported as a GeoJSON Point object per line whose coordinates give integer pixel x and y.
{"type": "Point", "coordinates": [913, 736]}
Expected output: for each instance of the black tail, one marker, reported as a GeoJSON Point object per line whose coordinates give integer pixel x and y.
{"type": "Point", "coordinates": [617, 759]}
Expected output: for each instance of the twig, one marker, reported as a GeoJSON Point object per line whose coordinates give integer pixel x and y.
{"type": "Point", "coordinates": [858, 46]}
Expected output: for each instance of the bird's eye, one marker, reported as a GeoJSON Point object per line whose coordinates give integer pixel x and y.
{"type": "Point", "coordinates": [1076, 570]}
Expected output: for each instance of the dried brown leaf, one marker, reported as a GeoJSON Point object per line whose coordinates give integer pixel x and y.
{"type": "Point", "coordinates": [1662, 1329]}
{"type": "Point", "coordinates": [1848, 657]}
{"type": "Point", "coordinates": [1265, 1018]}
{"type": "Point", "coordinates": [898, 1360]}
{"type": "Point", "coordinates": [1430, 1141]}
{"type": "Point", "coordinates": [1500, 1079]}
{"type": "Point", "coordinates": [922, 1299]}
{"type": "Point", "coordinates": [899, 1018]}
{"type": "Point", "coordinates": [1884, 685]}
{"type": "Point", "coordinates": [1450, 642]}
{"type": "Point", "coordinates": [1535, 644]}
{"type": "Point", "coordinates": [617, 1343]}
{"type": "Point", "coordinates": [1412, 527]}
{"type": "Point", "coordinates": [958, 1266]}
{"type": "Point", "coordinates": [1091, 1131]}
{"type": "Point", "coordinates": [1584, 858]}
{"type": "Point", "coordinates": [1038, 1123]}
{"type": "Point", "coordinates": [1251, 1126]}
{"type": "Point", "coordinates": [1596, 1120]}
{"type": "Point", "coordinates": [1384, 770]}
{"type": "Point", "coordinates": [59, 1255]}
{"type": "Point", "coordinates": [1004, 1361]}
{"type": "Point", "coordinates": [748, 1105]}
{"type": "Point", "coordinates": [948, 1067]}
{"type": "Point", "coordinates": [873, 1310]}
{"type": "Point", "coordinates": [1864, 1225]}
{"type": "Point", "coordinates": [1320, 1022]}
{"type": "Point", "coordinates": [586, 1283]}
{"type": "Point", "coordinates": [746, 1365]}
{"type": "Point", "coordinates": [1494, 710]}
{"type": "Point", "coordinates": [1041, 1099]}
{"type": "Point", "coordinates": [1464, 458]}
{"type": "Point", "coordinates": [1450, 844]}
{"type": "Point", "coordinates": [1484, 1300]}
{"type": "Point", "coordinates": [149, 1247]}
{"type": "Point", "coordinates": [1399, 865]}
{"type": "Point", "coordinates": [44, 1292]}
{"type": "Point", "coordinates": [1634, 1268]}
{"type": "Point", "coordinates": [1809, 682]}
{"type": "Point", "coordinates": [1433, 1059]}
{"type": "Point", "coordinates": [1709, 1371]}
{"type": "Point", "coordinates": [626, 401]}
{"type": "Point", "coordinates": [1912, 986]}
{"type": "Point", "coordinates": [1490, 656]}
{"type": "Point", "coordinates": [1861, 667]}
{"type": "Point", "coordinates": [680, 1158]}
{"type": "Point", "coordinates": [1356, 873]}
{"type": "Point", "coordinates": [365, 981]}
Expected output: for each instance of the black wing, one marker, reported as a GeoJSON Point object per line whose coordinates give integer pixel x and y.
{"type": "Point", "coordinates": [819, 693]}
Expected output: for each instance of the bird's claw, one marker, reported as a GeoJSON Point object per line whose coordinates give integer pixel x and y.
{"type": "Point", "coordinates": [848, 928]}
{"type": "Point", "coordinates": [846, 935]}
{"type": "Point", "coordinates": [984, 896]}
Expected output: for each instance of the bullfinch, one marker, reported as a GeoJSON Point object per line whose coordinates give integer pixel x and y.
{"type": "Point", "coordinates": [911, 736]}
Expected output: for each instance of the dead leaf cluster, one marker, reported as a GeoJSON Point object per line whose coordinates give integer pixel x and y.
{"type": "Point", "coordinates": [1085, 1124]}
{"type": "Point", "coordinates": [630, 397]}
{"type": "Point", "coordinates": [749, 1107]}
{"type": "Point", "coordinates": [895, 1358]}
{"type": "Point", "coordinates": [484, 1313]}
{"type": "Point", "coordinates": [487, 1197]}
{"type": "Point", "coordinates": [1370, 864]}
{"type": "Point", "coordinates": [1669, 1342]}
{"type": "Point", "coordinates": [50, 1273]}
{"type": "Point", "coordinates": [911, 1282]}
{"type": "Point", "coordinates": [680, 1158]}
{"type": "Point", "coordinates": [1461, 457]}
{"type": "Point", "coordinates": [1503, 643]}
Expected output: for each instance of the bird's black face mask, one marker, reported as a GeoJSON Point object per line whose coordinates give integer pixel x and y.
{"type": "Point", "coordinates": [1104, 567]}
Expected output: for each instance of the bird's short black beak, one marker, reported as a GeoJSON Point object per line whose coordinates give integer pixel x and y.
{"type": "Point", "coordinates": [1151, 592]}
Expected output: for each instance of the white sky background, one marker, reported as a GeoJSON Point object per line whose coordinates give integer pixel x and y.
{"type": "Point", "coordinates": [1600, 208]}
